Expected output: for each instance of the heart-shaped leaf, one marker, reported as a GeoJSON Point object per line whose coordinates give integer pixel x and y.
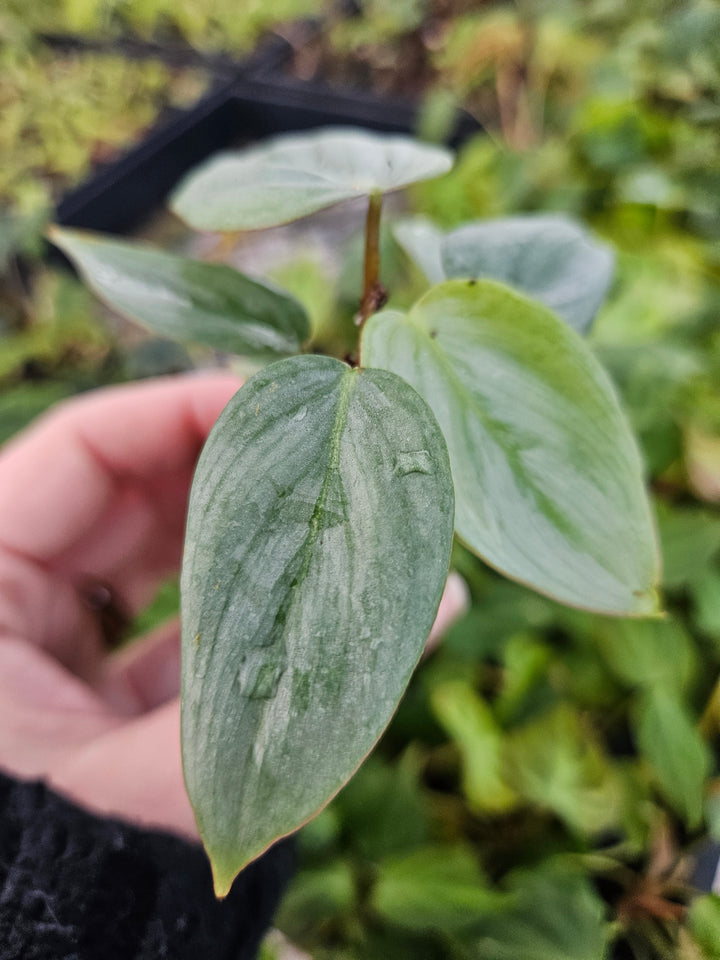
{"type": "Point", "coordinates": [183, 299]}
{"type": "Point", "coordinates": [548, 257]}
{"type": "Point", "coordinates": [548, 480]}
{"type": "Point", "coordinates": [318, 544]}
{"type": "Point", "coordinates": [292, 176]}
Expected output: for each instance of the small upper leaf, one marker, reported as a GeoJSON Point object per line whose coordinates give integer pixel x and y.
{"type": "Point", "coordinates": [295, 175]}
{"type": "Point", "coordinates": [318, 543]}
{"type": "Point", "coordinates": [548, 480]}
{"type": "Point", "coordinates": [183, 299]}
{"type": "Point", "coordinates": [548, 257]}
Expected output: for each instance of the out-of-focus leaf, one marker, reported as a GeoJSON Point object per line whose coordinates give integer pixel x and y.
{"type": "Point", "coordinates": [156, 357]}
{"type": "Point", "coordinates": [308, 281]}
{"type": "Point", "coordinates": [702, 462]}
{"type": "Point", "coordinates": [704, 923]}
{"type": "Point", "coordinates": [689, 539]}
{"type": "Point", "coordinates": [470, 723]}
{"type": "Point", "coordinates": [554, 763]}
{"type": "Point", "coordinates": [705, 590]}
{"type": "Point", "coordinates": [382, 807]}
{"type": "Point", "coordinates": [316, 897]}
{"type": "Point", "coordinates": [555, 915]}
{"type": "Point", "coordinates": [677, 754]}
{"type": "Point", "coordinates": [319, 835]}
{"type": "Point", "coordinates": [435, 888]}
{"type": "Point", "coordinates": [297, 174]}
{"type": "Point", "coordinates": [19, 235]}
{"type": "Point", "coordinates": [548, 258]}
{"type": "Point", "coordinates": [422, 242]}
{"type": "Point", "coordinates": [648, 653]}
{"type": "Point", "coordinates": [712, 809]}
{"type": "Point", "coordinates": [525, 662]}
{"type": "Point", "coordinates": [165, 604]}
{"type": "Point", "coordinates": [504, 608]}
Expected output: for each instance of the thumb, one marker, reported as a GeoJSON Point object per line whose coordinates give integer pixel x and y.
{"type": "Point", "coordinates": [134, 773]}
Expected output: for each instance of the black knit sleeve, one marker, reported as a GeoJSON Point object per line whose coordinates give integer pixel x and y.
{"type": "Point", "coordinates": [75, 886]}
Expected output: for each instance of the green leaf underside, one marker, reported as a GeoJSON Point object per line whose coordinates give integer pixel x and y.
{"type": "Point", "coordinates": [206, 303]}
{"type": "Point", "coordinates": [293, 176]}
{"type": "Point", "coordinates": [318, 543]}
{"type": "Point", "coordinates": [548, 481]}
{"type": "Point", "coordinates": [547, 257]}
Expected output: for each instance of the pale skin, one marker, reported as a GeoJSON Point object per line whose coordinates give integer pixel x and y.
{"type": "Point", "coordinates": [97, 489]}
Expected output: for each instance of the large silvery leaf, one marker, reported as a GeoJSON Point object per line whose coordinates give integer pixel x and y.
{"type": "Point", "coordinates": [298, 174]}
{"type": "Point", "coordinates": [187, 300]}
{"type": "Point", "coordinates": [318, 544]}
{"type": "Point", "coordinates": [548, 257]}
{"type": "Point", "coordinates": [548, 480]}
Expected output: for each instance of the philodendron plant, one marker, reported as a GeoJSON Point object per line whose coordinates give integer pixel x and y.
{"type": "Point", "coordinates": [324, 503]}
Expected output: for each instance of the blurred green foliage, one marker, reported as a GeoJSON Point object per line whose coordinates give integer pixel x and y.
{"type": "Point", "coordinates": [550, 777]}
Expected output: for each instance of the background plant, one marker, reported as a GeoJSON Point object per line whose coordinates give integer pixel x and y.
{"type": "Point", "coordinates": [628, 144]}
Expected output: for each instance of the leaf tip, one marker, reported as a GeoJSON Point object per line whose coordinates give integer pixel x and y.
{"type": "Point", "coordinates": [223, 878]}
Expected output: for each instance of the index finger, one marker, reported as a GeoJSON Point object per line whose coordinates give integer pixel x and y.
{"type": "Point", "coordinates": [61, 475]}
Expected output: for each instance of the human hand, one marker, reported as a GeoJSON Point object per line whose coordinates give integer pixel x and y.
{"type": "Point", "coordinates": [96, 493]}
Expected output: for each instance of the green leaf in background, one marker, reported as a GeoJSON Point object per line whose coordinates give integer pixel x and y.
{"type": "Point", "coordinates": [678, 756]}
{"type": "Point", "coordinates": [434, 888]}
{"type": "Point", "coordinates": [382, 808]}
{"type": "Point", "coordinates": [648, 653]}
{"type": "Point", "coordinates": [547, 257]}
{"type": "Point", "coordinates": [554, 763]}
{"type": "Point", "coordinates": [690, 538]}
{"type": "Point", "coordinates": [471, 724]}
{"type": "Point", "coordinates": [706, 600]}
{"type": "Point", "coordinates": [702, 462]}
{"type": "Point", "coordinates": [548, 480]}
{"type": "Point", "coordinates": [298, 174]}
{"type": "Point", "coordinates": [317, 897]}
{"type": "Point", "coordinates": [526, 660]}
{"type": "Point", "coordinates": [183, 299]}
{"type": "Point", "coordinates": [556, 915]}
{"type": "Point", "coordinates": [704, 923]}
{"type": "Point", "coordinates": [422, 242]}
{"type": "Point", "coordinates": [318, 543]}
